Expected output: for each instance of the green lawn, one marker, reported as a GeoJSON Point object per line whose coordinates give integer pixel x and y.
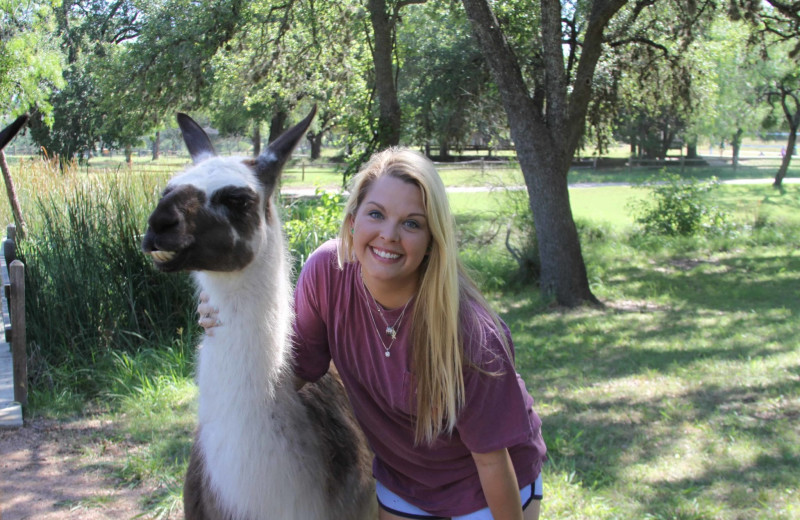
{"type": "Point", "coordinates": [681, 398]}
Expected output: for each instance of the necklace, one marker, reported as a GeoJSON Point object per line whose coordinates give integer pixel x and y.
{"type": "Point", "coordinates": [391, 330]}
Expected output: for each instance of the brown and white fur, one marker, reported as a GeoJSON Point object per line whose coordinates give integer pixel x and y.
{"type": "Point", "coordinates": [262, 449]}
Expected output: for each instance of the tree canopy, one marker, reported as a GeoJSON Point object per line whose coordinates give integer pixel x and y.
{"type": "Point", "coordinates": [550, 77]}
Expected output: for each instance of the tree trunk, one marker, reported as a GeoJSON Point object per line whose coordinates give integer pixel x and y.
{"type": "Point", "coordinates": [787, 157]}
{"type": "Point", "coordinates": [736, 147]}
{"type": "Point", "coordinates": [389, 115]}
{"type": "Point", "coordinates": [277, 124]}
{"type": "Point", "coordinates": [691, 149]}
{"type": "Point", "coordinates": [129, 155]}
{"type": "Point", "coordinates": [157, 146]}
{"type": "Point", "coordinates": [546, 136]}
{"type": "Point", "coordinates": [315, 140]}
{"type": "Point", "coordinates": [444, 150]}
{"type": "Point", "coordinates": [12, 196]}
{"type": "Point", "coordinates": [255, 138]}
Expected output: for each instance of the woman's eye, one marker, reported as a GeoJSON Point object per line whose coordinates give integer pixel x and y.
{"type": "Point", "coordinates": [412, 224]}
{"type": "Point", "coordinates": [375, 214]}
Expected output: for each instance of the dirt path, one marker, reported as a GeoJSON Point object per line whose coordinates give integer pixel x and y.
{"type": "Point", "coordinates": [64, 470]}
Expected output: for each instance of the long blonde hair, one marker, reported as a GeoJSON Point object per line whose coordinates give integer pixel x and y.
{"type": "Point", "coordinates": [438, 358]}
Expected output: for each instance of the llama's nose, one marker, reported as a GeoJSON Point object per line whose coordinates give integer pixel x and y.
{"type": "Point", "coordinates": [164, 218]}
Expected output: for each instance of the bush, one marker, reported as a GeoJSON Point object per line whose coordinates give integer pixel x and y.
{"type": "Point", "coordinates": [308, 222]}
{"type": "Point", "coordinates": [680, 207]}
{"type": "Point", "coordinates": [521, 241]}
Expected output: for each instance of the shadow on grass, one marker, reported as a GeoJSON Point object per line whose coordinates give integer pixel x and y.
{"type": "Point", "coordinates": [684, 407]}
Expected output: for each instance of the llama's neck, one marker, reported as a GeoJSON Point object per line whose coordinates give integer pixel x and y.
{"type": "Point", "coordinates": [248, 356]}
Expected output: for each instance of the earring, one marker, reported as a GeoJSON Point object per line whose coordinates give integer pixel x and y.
{"type": "Point", "coordinates": [352, 230]}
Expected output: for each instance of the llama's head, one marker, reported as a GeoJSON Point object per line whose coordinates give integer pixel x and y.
{"type": "Point", "coordinates": [211, 217]}
{"type": "Point", "coordinates": [11, 130]}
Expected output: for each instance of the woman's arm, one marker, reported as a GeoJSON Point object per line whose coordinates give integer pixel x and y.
{"type": "Point", "coordinates": [499, 484]}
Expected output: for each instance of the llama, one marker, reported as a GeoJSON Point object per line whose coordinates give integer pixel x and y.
{"type": "Point", "coordinates": [262, 450]}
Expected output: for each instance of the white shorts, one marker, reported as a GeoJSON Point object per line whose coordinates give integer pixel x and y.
{"type": "Point", "coordinates": [397, 506]}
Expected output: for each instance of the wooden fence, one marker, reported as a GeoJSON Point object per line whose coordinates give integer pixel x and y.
{"type": "Point", "coordinates": [13, 367]}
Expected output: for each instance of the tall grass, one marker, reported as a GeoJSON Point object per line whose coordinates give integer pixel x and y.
{"type": "Point", "coordinates": [90, 292]}
{"type": "Point", "coordinates": [95, 304]}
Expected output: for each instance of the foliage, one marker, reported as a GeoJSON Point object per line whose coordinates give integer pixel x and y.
{"type": "Point", "coordinates": [520, 236]}
{"type": "Point", "coordinates": [679, 207]}
{"type": "Point", "coordinates": [310, 222]}
{"type": "Point", "coordinates": [87, 31]}
{"type": "Point", "coordinates": [30, 61]}
{"type": "Point", "coordinates": [446, 89]}
{"type": "Point", "coordinates": [91, 292]}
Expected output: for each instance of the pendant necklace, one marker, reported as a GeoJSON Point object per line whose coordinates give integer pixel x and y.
{"type": "Point", "coordinates": [391, 330]}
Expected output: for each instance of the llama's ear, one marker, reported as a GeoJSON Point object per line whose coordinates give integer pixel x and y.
{"type": "Point", "coordinates": [11, 130]}
{"type": "Point", "coordinates": [196, 140]}
{"type": "Point", "coordinates": [269, 164]}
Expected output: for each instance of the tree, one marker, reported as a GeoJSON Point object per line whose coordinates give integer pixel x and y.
{"type": "Point", "coordinates": [782, 92]}
{"type": "Point", "coordinates": [776, 25]}
{"type": "Point", "coordinates": [446, 88]}
{"type": "Point", "coordinates": [384, 17]}
{"type": "Point", "coordinates": [732, 107]}
{"type": "Point", "coordinates": [547, 114]}
{"type": "Point", "coordinates": [30, 61]}
{"type": "Point", "coordinates": [88, 29]}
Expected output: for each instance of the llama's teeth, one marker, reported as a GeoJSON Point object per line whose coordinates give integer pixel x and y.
{"type": "Point", "coordinates": [162, 256]}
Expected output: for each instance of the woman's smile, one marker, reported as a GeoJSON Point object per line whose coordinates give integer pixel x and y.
{"type": "Point", "coordinates": [391, 238]}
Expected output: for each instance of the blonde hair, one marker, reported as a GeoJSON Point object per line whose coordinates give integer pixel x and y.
{"type": "Point", "coordinates": [438, 357]}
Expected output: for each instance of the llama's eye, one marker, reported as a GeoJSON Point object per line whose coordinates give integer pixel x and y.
{"type": "Point", "coordinates": [238, 203]}
{"type": "Point", "coordinates": [237, 200]}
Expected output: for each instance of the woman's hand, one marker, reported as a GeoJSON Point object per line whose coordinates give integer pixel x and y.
{"type": "Point", "coordinates": [209, 315]}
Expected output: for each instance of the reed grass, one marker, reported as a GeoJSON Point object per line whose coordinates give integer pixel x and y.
{"type": "Point", "coordinates": [91, 293]}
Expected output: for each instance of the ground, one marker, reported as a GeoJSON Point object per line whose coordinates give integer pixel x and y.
{"type": "Point", "coordinates": [44, 473]}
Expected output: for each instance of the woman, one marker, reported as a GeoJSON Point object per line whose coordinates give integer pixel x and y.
{"type": "Point", "coordinates": [427, 365]}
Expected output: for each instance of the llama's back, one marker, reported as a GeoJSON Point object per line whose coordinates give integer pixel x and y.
{"type": "Point", "coordinates": [348, 479]}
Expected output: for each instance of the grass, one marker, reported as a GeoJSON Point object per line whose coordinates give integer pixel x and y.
{"type": "Point", "coordinates": [679, 399]}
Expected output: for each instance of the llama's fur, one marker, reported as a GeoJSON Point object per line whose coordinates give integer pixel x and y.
{"type": "Point", "coordinates": [262, 450]}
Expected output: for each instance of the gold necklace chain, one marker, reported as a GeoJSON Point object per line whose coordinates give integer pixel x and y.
{"type": "Point", "coordinates": [390, 330]}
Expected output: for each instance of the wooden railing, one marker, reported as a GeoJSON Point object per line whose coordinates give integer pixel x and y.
{"type": "Point", "coordinates": [13, 304]}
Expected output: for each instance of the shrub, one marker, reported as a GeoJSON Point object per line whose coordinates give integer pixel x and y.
{"type": "Point", "coordinates": [520, 237]}
{"type": "Point", "coordinates": [679, 207]}
{"type": "Point", "coordinates": [308, 222]}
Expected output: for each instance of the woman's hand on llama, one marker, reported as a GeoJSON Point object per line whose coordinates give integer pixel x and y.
{"type": "Point", "coordinates": [209, 315]}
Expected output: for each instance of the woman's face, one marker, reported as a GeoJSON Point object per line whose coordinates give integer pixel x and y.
{"type": "Point", "coordinates": [391, 235]}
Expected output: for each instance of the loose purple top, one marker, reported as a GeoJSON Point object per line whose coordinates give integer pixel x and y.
{"type": "Point", "coordinates": [333, 322]}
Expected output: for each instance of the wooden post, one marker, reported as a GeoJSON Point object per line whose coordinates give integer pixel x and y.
{"type": "Point", "coordinates": [12, 194]}
{"type": "Point", "coordinates": [16, 274]}
{"type": "Point", "coordinates": [9, 244]}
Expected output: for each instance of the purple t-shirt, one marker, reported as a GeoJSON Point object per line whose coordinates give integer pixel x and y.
{"type": "Point", "coordinates": [333, 322]}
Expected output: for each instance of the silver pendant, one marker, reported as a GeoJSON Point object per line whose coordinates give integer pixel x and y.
{"type": "Point", "coordinates": [391, 332]}
{"type": "Point", "coordinates": [388, 354]}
